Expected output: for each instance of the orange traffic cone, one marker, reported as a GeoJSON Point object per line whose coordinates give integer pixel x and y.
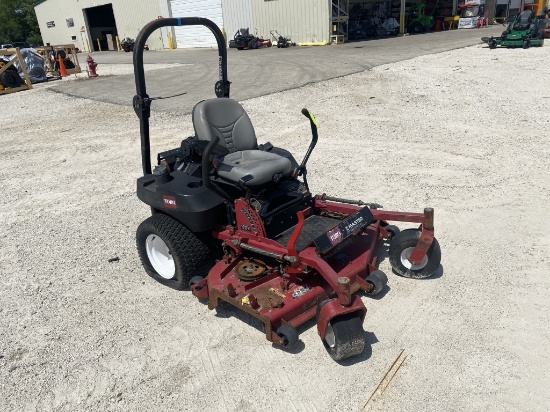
{"type": "Point", "coordinates": [62, 70]}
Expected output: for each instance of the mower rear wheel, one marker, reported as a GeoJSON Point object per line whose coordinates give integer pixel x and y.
{"type": "Point", "coordinates": [253, 45]}
{"type": "Point", "coordinates": [288, 334]}
{"type": "Point", "coordinates": [378, 280]}
{"type": "Point", "coordinates": [345, 336]}
{"type": "Point", "coordinates": [401, 248]}
{"type": "Point", "coordinates": [170, 253]}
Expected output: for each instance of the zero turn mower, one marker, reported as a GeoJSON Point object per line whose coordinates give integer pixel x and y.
{"type": "Point", "coordinates": [522, 32]}
{"type": "Point", "coordinates": [236, 221]}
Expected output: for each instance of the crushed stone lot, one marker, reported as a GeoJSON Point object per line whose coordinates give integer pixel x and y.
{"type": "Point", "coordinates": [464, 131]}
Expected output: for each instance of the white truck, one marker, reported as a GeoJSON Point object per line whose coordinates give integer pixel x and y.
{"type": "Point", "coordinates": [472, 15]}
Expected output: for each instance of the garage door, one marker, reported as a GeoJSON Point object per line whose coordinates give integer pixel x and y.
{"type": "Point", "coordinates": [196, 36]}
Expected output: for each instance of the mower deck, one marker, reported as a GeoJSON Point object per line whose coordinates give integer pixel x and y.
{"type": "Point", "coordinates": [281, 295]}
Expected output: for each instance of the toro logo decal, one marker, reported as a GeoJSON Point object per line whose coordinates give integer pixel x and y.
{"type": "Point", "coordinates": [335, 236]}
{"type": "Point", "coordinates": [169, 202]}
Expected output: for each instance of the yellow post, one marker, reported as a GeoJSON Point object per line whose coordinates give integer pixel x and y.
{"type": "Point", "coordinates": [118, 43]}
{"type": "Point", "coordinates": [88, 44]}
{"type": "Point", "coordinates": [170, 44]}
{"type": "Point", "coordinates": [98, 44]}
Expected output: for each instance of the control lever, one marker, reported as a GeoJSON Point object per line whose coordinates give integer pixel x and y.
{"type": "Point", "coordinates": [302, 171]}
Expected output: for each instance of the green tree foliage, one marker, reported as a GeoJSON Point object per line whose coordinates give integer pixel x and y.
{"type": "Point", "coordinates": [18, 21]}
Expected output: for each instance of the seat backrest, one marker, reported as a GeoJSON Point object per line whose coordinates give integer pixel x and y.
{"type": "Point", "coordinates": [524, 20]}
{"type": "Point", "coordinates": [226, 118]}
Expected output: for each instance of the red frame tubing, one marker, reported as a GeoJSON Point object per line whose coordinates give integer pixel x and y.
{"type": "Point", "coordinates": [426, 238]}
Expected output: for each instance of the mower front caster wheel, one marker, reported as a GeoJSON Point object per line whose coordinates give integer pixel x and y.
{"type": "Point", "coordinates": [170, 253]}
{"type": "Point", "coordinates": [492, 44]}
{"type": "Point", "coordinates": [345, 337]}
{"type": "Point", "coordinates": [401, 248]}
{"type": "Point", "coordinates": [378, 280]}
{"type": "Point", "coordinates": [392, 231]}
{"type": "Point", "coordinates": [288, 335]}
{"type": "Point", "coordinates": [526, 44]}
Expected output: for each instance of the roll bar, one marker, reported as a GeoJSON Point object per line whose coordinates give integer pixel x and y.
{"type": "Point", "coordinates": [142, 101]}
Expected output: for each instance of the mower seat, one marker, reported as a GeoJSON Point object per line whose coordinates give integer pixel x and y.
{"type": "Point", "coordinates": [524, 20]}
{"type": "Point", "coordinates": [225, 118]}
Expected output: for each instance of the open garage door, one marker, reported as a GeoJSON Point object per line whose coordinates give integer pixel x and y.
{"type": "Point", "coordinates": [101, 27]}
{"type": "Point", "coordinates": [196, 36]}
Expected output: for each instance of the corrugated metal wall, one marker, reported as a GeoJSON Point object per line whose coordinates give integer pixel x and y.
{"type": "Point", "coordinates": [130, 17]}
{"type": "Point", "coordinates": [304, 21]}
{"type": "Point", "coordinates": [237, 14]}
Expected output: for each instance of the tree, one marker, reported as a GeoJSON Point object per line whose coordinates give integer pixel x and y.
{"type": "Point", "coordinates": [18, 21]}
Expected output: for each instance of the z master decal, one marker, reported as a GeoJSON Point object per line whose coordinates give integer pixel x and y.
{"type": "Point", "coordinates": [344, 229]}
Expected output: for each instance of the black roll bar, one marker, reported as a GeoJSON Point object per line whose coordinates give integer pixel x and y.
{"type": "Point", "coordinates": [142, 101]}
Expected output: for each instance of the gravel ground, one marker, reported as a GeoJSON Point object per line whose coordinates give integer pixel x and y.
{"type": "Point", "coordinates": [463, 131]}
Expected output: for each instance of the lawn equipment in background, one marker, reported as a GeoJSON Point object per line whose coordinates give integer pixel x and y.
{"type": "Point", "coordinates": [472, 15]}
{"type": "Point", "coordinates": [522, 32]}
{"type": "Point", "coordinates": [244, 40]}
{"type": "Point", "coordinates": [61, 55]}
{"type": "Point", "coordinates": [419, 22]}
{"type": "Point", "coordinates": [544, 24]}
{"type": "Point", "coordinates": [236, 221]}
{"type": "Point", "coordinates": [9, 77]}
{"type": "Point", "coordinates": [35, 65]}
{"type": "Point", "coordinates": [127, 44]}
{"type": "Point", "coordinates": [280, 41]}
{"type": "Point", "coordinates": [375, 22]}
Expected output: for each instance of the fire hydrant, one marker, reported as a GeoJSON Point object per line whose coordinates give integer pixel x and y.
{"type": "Point", "coordinates": [91, 66]}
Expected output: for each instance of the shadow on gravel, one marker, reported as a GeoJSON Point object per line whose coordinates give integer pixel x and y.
{"type": "Point", "coordinates": [438, 273]}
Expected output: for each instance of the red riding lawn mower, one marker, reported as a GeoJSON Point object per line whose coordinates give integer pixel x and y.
{"type": "Point", "coordinates": [244, 40]}
{"type": "Point", "coordinates": [236, 221]}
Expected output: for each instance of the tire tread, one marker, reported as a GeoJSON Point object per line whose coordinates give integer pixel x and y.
{"type": "Point", "coordinates": [192, 257]}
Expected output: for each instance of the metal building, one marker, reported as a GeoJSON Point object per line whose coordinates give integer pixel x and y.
{"type": "Point", "coordinates": [92, 24]}
{"type": "Point", "coordinates": [304, 21]}
{"type": "Point", "coordinates": [95, 24]}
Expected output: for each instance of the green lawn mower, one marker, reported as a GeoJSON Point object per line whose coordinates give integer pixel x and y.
{"type": "Point", "coordinates": [522, 32]}
{"type": "Point", "coordinates": [420, 22]}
